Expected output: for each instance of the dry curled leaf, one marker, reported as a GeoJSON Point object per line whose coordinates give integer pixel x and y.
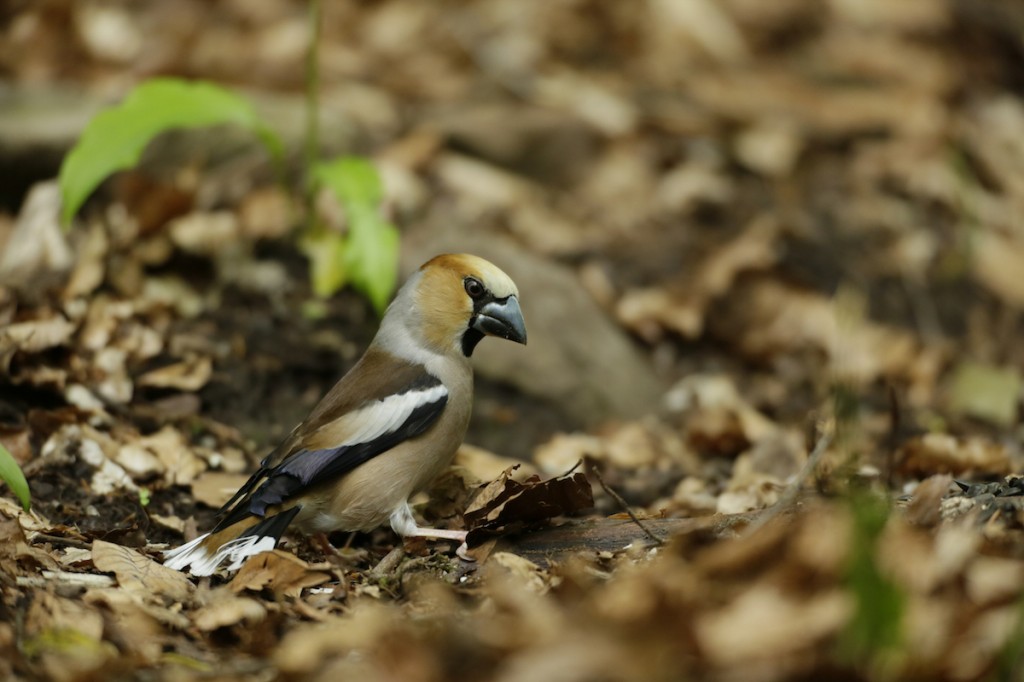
{"type": "Point", "coordinates": [926, 506]}
{"type": "Point", "coordinates": [280, 572]}
{"type": "Point", "coordinates": [944, 453]}
{"type": "Point", "coordinates": [139, 574]}
{"type": "Point", "coordinates": [191, 374]}
{"type": "Point", "coordinates": [505, 505]}
{"type": "Point", "coordinates": [226, 609]}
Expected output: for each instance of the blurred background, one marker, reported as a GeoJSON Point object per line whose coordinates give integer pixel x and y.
{"type": "Point", "coordinates": [742, 230]}
{"type": "Point", "coordinates": [784, 201]}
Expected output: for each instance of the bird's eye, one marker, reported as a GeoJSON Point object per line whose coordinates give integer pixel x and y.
{"type": "Point", "coordinates": [474, 288]}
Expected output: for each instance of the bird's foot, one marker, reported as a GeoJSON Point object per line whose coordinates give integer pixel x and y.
{"type": "Point", "coordinates": [321, 542]}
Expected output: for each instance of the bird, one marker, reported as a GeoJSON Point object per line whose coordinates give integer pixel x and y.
{"type": "Point", "coordinates": [388, 427]}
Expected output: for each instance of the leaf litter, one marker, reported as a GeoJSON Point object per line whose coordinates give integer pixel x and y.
{"type": "Point", "coordinates": [803, 213]}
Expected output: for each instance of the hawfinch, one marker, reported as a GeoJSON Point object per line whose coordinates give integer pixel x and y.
{"type": "Point", "coordinates": [385, 430]}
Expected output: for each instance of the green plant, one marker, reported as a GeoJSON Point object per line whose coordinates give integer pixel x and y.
{"type": "Point", "coordinates": [366, 258]}
{"type": "Point", "coordinates": [876, 628]}
{"type": "Point", "coordinates": [115, 139]}
{"type": "Point", "coordinates": [367, 255]}
{"type": "Point", "coordinates": [11, 474]}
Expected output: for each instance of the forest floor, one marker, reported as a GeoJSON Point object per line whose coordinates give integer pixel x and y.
{"type": "Point", "coordinates": [789, 451]}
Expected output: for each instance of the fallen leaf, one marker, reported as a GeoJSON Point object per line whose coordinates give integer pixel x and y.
{"type": "Point", "coordinates": [139, 574]}
{"type": "Point", "coordinates": [483, 465]}
{"type": "Point", "coordinates": [524, 572]}
{"type": "Point", "coordinates": [773, 624]}
{"type": "Point", "coordinates": [681, 307]}
{"type": "Point", "coordinates": [16, 555]}
{"type": "Point", "coordinates": [180, 462]}
{"type": "Point", "coordinates": [214, 488]}
{"type": "Point", "coordinates": [227, 609]}
{"type": "Point", "coordinates": [945, 453]}
{"type": "Point", "coordinates": [280, 572]}
{"type": "Point", "coordinates": [505, 505]}
{"type": "Point", "coordinates": [37, 249]}
{"type": "Point", "coordinates": [993, 579]}
{"type": "Point", "coordinates": [33, 336]}
{"type": "Point", "coordinates": [925, 508]}
{"type": "Point", "coordinates": [986, 392]}
{"type": "Point", "coordinates": [191, 374]}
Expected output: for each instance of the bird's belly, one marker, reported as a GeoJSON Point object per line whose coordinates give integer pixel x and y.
{"type": "Point", "coordinates": [366, 497]}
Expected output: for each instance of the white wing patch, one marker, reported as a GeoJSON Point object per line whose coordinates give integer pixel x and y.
{"type": "Point", "coordinates": [193, 555]}
{"type": "Point", "coordinates": [382, 417]}
{"type": "Point", "coordinates": [203, 563]}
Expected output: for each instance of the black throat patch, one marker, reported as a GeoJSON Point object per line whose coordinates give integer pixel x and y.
{"type": "Point", "coordinates": [470, 338]}
{"type": "Point", "coordinates": [473, 336]}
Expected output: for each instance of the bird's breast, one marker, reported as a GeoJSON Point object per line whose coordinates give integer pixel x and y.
{"type": "Point", "coordinates": [365, 497]}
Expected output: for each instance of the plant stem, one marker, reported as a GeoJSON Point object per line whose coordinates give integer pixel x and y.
{"type": "Point", "coordinates": [312, 105]}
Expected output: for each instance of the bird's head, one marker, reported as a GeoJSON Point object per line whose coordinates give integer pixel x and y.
{"type": "Point", "coordinates": [459, 298]}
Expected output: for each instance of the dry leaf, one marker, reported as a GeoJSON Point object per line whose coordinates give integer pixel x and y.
{"type": "Point", "coordinates": [483, 465]}
{"type": "Point", "coordinates": [281, 572]}
{"type": "Point", "coordinates": [141, 575]}
{"type": "Point", "coordinates": [523, 571]}
{"type": "Point", "coordinates": [944, 453]}
{"type": "Point", "coordinates": [986, 392]}
{"type": "Point", "coordinates": [214, 488]}
{"type": "Point", "coordinates": [226, 609]}
{"type": "Point", "coordinates": [191, 374]}
{"type": "Point", "coordinates": [772, 624]}
{"type": "Point", "coordinates": [925, 508]}
{"type": "Point", "coordinates": [506, 505]}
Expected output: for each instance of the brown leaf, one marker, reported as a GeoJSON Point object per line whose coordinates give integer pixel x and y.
{"type": "Point", "coordinates": [505, 505]}
{"type": "Point", "coordinates": [925, 506]}
{"type": "Point", "coordinates": [34, 336]}
{"type": "Point", "coordinates": [944, 453]}
{"type": "Point", "coordinates": [227, 609]}
{"type": "Point", "coordinates": [15, 550]}
{"type": "Point", "coordinates": [191, 374]}
{"type": "Point", "coordinates": [49, 612]}
{"type": "Point", "coordinates": [280, 572]}
{"type": "Point", "coordinates": [482, 465]}
{"type": "Point", "coordinates": [214, 488]}
{"type": "Point", "coordinates": [139, 574]}
{"type": "Point", "coordinates": [682, 307]}
{"type": "Point", "coordinates": [773, 624]}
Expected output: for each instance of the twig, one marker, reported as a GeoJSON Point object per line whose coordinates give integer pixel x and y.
{"type": "Point", "coordinates": [893, 440]}
{"type": "Point", "coordinates": [312, 150]}
{"type": "Point", "coordinates": [389, 563]}
{"type": "Point", "coordinates": [625, 507]}
{"type": "Point", "coordinates": [58, 540]}
{"type": "Point", "coordinates": [78, 579]}
{"type": "Point", "coordinates": [788, 497]}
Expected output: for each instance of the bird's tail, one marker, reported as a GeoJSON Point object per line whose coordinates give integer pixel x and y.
{"type": "Point", "coordinates": [207, 552]}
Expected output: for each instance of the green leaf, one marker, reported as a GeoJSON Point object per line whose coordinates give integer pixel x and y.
{"type": "Point", "coordinates": [372, 256]}
{"type": "Point", "coordinates": [875, 630]}
{"type": "Point", "coordinates": [353, 180]}
{"type": "Point", "coordinates": [371, 250]}
{"type": "Point", "coordinates": [987, 392]}
{"type": "Point", "coordinates": [10, 473]}
{"type": "Point", "coordinates": [327, 267]}
{"type": "Point", "coordinates": [115, 139]}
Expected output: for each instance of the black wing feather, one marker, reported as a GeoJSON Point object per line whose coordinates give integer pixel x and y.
{"type": "Point", "coordinates": [272, 486]}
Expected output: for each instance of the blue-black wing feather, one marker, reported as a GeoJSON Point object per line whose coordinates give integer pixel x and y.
{"type": "Point", "coordinates": [303, 469]}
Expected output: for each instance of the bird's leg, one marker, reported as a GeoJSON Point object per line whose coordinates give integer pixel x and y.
{"type": "Point", "coordinates": [321, 542]}
{"type": "Point", "coordinates": [403, 523]}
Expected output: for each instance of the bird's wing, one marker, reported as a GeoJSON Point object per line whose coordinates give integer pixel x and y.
{"type": "Point", "coordinates": [376, 406]}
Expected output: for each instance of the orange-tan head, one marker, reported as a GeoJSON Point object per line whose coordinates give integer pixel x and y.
{"type": "Point", "coordinates": [454, 300]}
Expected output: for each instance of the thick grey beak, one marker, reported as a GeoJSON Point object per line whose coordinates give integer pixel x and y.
{"type": "Point", "coordinates": [503, 319]}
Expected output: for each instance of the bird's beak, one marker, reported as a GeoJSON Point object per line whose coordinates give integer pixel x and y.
{"type": "Point", "coordinates": [502, 318]}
